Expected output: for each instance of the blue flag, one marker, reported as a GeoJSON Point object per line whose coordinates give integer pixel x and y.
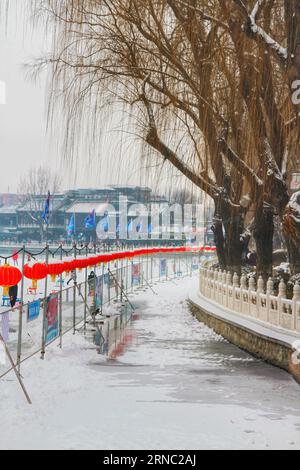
{"type": "Point", "coordinates": [46, 213]}
{"type": "Point", "coordinates": [90, 221]}
{"type": "Point", "coordinates": [105, 224]}
{"type": "Point", "coordinates": [130, 226]}
{"type": "Point", "coordinates": [72, 226]}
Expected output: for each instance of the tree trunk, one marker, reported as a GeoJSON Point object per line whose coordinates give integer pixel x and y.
{"type": "Point", "coordinates": [294, 256]}
{"type": "Point", "coordinates": [263, 235]}
{"type": "Point", "coordinates": [217, 228]}
{"type": "Point", "coordinates": [234, 245]}
{"type": "Point", "coordinates": [291, 232]}
{"type": "Point", "coordinates": [229, 242]}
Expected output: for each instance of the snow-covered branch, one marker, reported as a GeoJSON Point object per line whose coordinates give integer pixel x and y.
{"type": "Point", "coordinates": [240, 164]}
{"type": "Point", "coordinates": [279, 51]}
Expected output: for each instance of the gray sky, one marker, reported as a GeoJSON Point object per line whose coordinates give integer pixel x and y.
{"type": "Point", "coordinates": [24, 142]}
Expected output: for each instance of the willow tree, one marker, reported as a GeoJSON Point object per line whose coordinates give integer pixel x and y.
{"type": "Point", "coordinates": [274, 27]}
{"type": "Point", "coordinates": [206, 96]}
{"type": "Point", "coordinates": [164, 61]}
{"type": "Point", "coordinates": [266, 74]}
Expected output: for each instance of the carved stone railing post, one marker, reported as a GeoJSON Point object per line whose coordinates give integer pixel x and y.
{"type": "Point", "coordinates": [260, 290]}
{"type": "Point", "coordinates": [252, 284]}
{"type": "Point", "coordinates": [296, 298]}
{"type": "Point", "coordinates": [243, 289]}
{"type": "Point", "coordinates": [270, 291]}
{"type": "Point", "coordinates": [216, 277]}
{"type": "Point", "coordinates": [251, 291]}
{"type": "Point", "coordinates": [228, 286]}
{"type": "Point", "coordinates": [220, 286]}
{"type": "Point", "coordinates": [260, 285]}
{"type": "Point", "coordinates": [281, 296]}
{"type": "Point", "coordinates": [236, 285]}
{"type": "Point", "coordinates": [224, 288]}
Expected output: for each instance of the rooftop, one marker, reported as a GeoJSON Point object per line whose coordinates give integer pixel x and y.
{"type": "Point", "coordinates": [87, 208]}
{"type": "Point", "coordinates": [8, 209]}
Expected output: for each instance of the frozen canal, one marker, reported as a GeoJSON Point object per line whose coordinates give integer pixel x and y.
{"type": "Point", "coordinates": [176, 385]}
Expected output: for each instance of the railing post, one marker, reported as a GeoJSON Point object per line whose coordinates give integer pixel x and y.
{"type": "Point", "coordinates": [85, 291]}
{"type": "Point", "coordinates": [228, 285]}
{"type": "Point", "coordinates": [236, 285]}
{"type": "Point", "coordinates": [60, 303]}
{"type": "Point", "coordinates": [109, 279]}
{"type": "Point", "coordinates": [296, 298]}
{"type": "Point", "coordinates": [121, 282]}
{"type": "Point", "coordinates": [270, 291]}
{"type": "Point", "coordinates": [216, 275]}
{"type": "Point", "coordinates": [200, 280]}
{"type": "Point", "coordinates": [102, 287]}
{"type": "Point", "coordinates": [252, 290]}
{"type": "Point", "coordinates": [74, 291]}
{"type": "Point", "coordinates": [151, 270]}
{"type": "Point", "coordinates": [224, 289]}
{"type": "Point", "coordinates": [206, 282]}
{"type": "Point", "coordinates": [260, 290]}
{"type": "Point", "coordinates": [220, 277]}
{"type": "Point", "coordinates": [243, 288]}
{"type": "Point", "coordinates": [281, 296]}
{"type": "Point", "coordinates": [95, 285]}
{"type": "Point", "coordinates": [19, 354]}
{"type": "Point", "coordinates": [45, 309]}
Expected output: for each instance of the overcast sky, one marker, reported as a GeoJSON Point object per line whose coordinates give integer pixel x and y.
{"type": "Point", "coordinates": [24, 142]}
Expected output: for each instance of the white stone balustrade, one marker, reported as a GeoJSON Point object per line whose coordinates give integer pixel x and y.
{"type": "Point", "coordinates": [245, 298]}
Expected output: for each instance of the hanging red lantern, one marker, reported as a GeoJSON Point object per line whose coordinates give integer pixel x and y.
{"type": "Point", "coordinates": [103, 259]}
{"type": "Point", "coordinates": [115, 256]}
{"type": "Point", "coordinates": [9, 277]}
{"type": "Point", "coordinates": [125, 254]}
{"type": "Point", "coordinates": [73, 265]}
{"type": "Point", "coordinates": [55, 269]}
{"type": "Point", "coordinates": [81, 263]}
{"type": "Point", "coordinates": [93, 261]}
{"type": "Point", "coordinates": [37, 272]}
{"type": "Point", "coordinates": [70, 264]}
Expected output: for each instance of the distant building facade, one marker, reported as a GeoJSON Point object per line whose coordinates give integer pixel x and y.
{"type": "Point", "coordinates": [21, 221]}
{"type": "Point", "coordinates": [9, 199]}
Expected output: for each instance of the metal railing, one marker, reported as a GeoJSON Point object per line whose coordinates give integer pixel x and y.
{"type": "Point", "coordinates": [35, 325]}
{"type": "Point", "coordinates": [259, 302]}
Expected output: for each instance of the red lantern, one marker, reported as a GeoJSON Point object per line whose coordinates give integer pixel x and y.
{"type": "Point", "coordinates": [9, 277]}
{"type": "Point", "coordinates": [104, 259]}
{"type": "Point", "coordinates": [70, 264]}
{"type": "Point", "coordinates": [55, 269]}
{"type": "Point", "coordinates": [93, 261]}
{"type": "Point", "coordinates": [81, 263]}
{"type": "Point", "coordinates": [37, 272]}
{"type": "Point", "coordinates": [73, 265]}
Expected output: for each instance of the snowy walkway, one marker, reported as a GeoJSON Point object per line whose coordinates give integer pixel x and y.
{"type": "Point", "coordinates": [178, 385]}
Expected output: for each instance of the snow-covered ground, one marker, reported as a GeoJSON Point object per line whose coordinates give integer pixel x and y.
{"type": "Point", "coordinates": [176, 385]}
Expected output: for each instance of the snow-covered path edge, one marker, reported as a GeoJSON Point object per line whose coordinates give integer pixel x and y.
{"type": "Point", "coordinates": [178, 386]}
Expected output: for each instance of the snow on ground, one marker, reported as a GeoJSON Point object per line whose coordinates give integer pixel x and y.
{"type": "Point", "coordinates": [177, 385]}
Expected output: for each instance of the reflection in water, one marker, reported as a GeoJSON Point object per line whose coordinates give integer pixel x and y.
{"type": "Point", "coordinates": [115, 334]}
